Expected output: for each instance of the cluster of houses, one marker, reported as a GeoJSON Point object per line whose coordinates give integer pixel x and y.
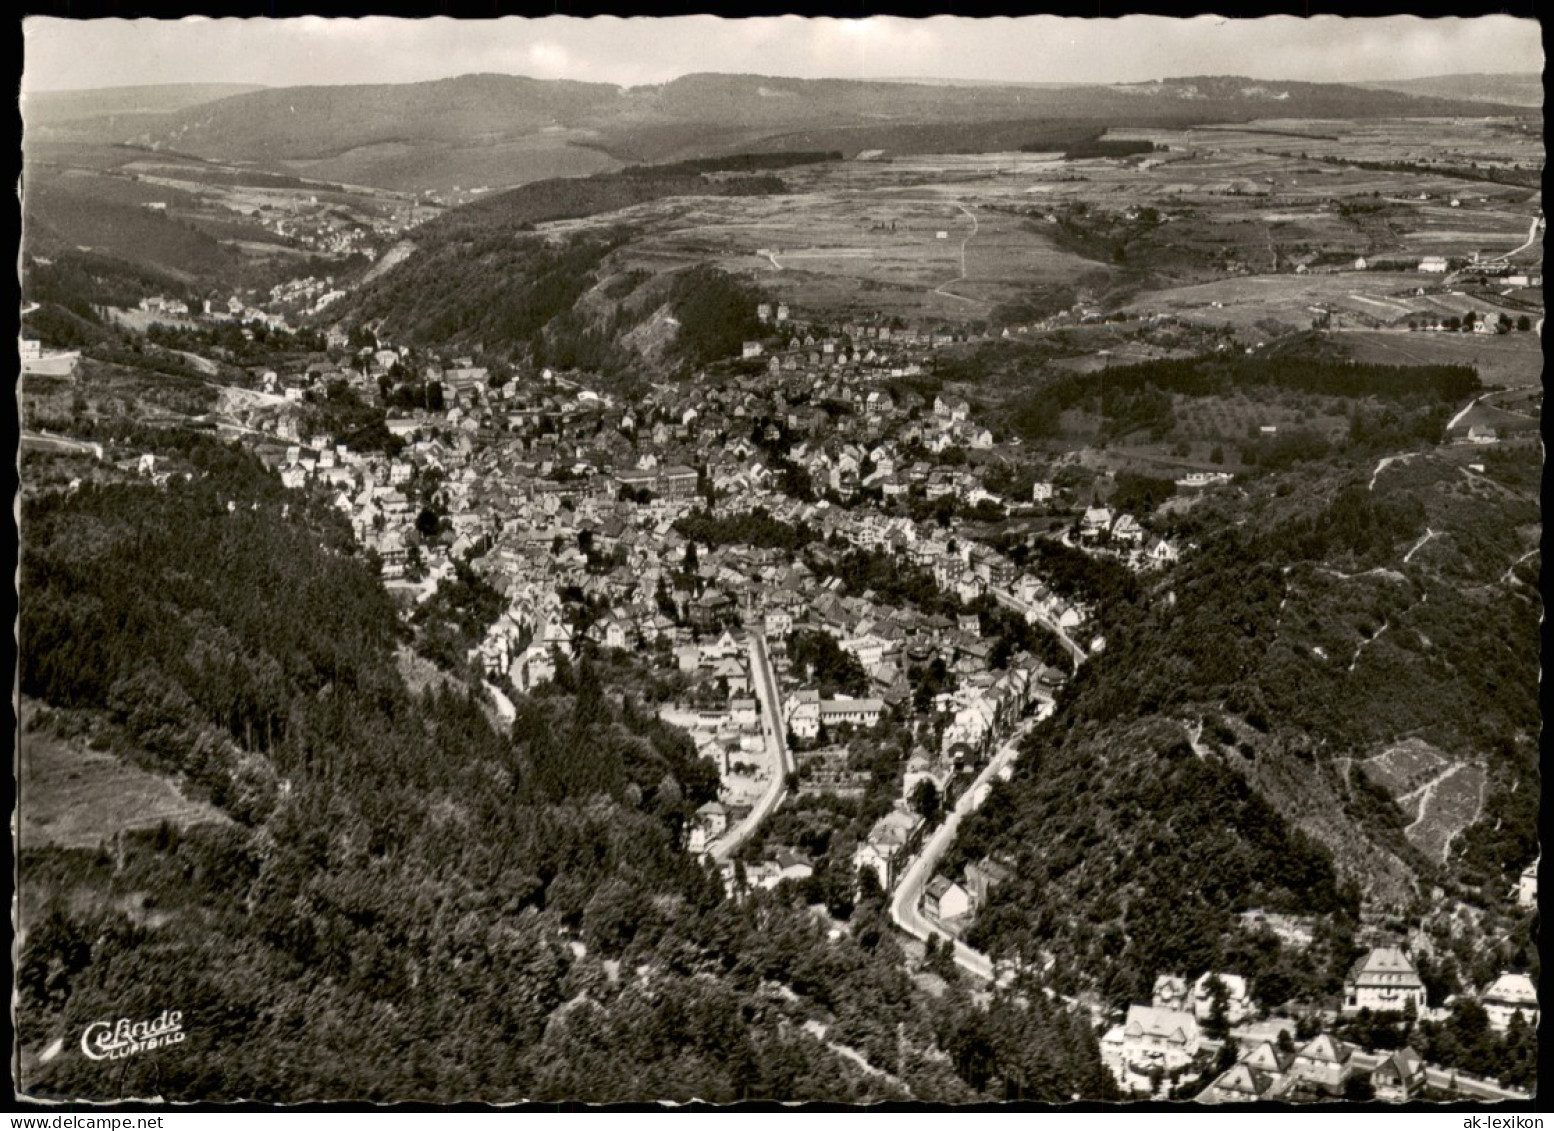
{"type": "Point", "coordinates": [1165, 1039]}
{"type": "Point", "coordinates": [308, 294]}
{"type": "Point", "coordinates": [544, 487]}
{"type": "Point", "coordinates": [1126, 536]}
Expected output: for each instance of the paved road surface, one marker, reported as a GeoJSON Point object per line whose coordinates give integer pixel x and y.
{"type": "Point", "coordinates": [909, 889]}
{"type": "Point", "coordinates": [1446, 1079]}
{"type": "Point", "coordinates": [765, 682]}
{"type": "Point", "coordinates": [1009, 600]}
{"type": "Point", "coordinates": [48, 442]}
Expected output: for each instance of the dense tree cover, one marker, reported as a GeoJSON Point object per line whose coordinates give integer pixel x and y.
{"type": "Point", "coordinates": [1393, 405]}
{"type": "Point", "coordinates": [81, 282]}
{"type": "Point", "coordinates": [1102, 235]}
{"type": "Point", "coordinates": [1505, 838]}
{"type": "Point", "coordinates": [1134, 856]}
{"type": "Point", "coordinates": [1141, 494]}
{"type": "Point", "coordinates": [753, 528]}
{"type": "Point", "coordinates": [717, 313]}
{"type": "Point", "coordinates": [486, 286]}
{"type": "Point", "coordinates": [1295, 617]}
{"type": "Point", "coordinates": [821, 662]}
{"type": "Point", "coordinates": [893, 580]}
{"type": "Point", "coordinates": [132, 355]}
{"type": "Point", "coordinates": [1301, 372]}
{"type": "Point", "coordinates": [454, 619]}
{"type": "Point", "coordinates": [1464, 1041]}
{"type": "Point", "coordinates": [338, 410]}
{"type": "Point", "coordinates": [394, 912]}
{"type": "Point", "coordinates": [1106, 147]}
{"type": "Point", "coordinates": [1104, 583]}
{"type": "Point", "coordinates": [55, 327]}
{"type": "Point", "coordinates": [1491, 174]}
{"type": "Point", "coordinates": [733, 163]}
{"type": "Point", "coordinates": [261, 344]}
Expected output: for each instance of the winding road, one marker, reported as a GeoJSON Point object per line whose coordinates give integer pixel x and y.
{"type": "Point", "coordinates": [909, 889]}
{"type": "Point", "coordinates": [1532, 238]}
{"type": "Point", "coordinates": [939, 290]}
{"type": "Point", "coordinates": [1419, 545]}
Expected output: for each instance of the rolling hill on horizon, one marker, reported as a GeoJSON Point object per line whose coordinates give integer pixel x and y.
{"type": "Point", "coordinates": [1508, 89]}
{"type": "Point", "coordinates": [504, 130]}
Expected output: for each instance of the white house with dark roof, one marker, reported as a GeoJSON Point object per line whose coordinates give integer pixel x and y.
{"type": "Point", "coordinates": [945, 899]}
{"type": "Point", "coordinates": [1527, 886]}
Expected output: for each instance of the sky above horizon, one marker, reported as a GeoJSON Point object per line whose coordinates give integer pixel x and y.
{"type": "Point", "coordinates": [63, 54]}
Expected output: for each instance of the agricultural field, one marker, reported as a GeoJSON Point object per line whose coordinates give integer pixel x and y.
{"type": "Point", "coordinates": [957, 235]}
{"type": "Point", "coordinates": [78, 797]}
{"type": "Point", "coordinates": [1268, 305]}
{"type": "Point", "coordinates": [1241, 417]}
{"type": "Point", "coordinates": [856, 250]}
{"type": "Point", "coordinates": [191, 219]}
{"type": "Point", "coordinates": [1514, 361]}
{"type": "Point", "coordinates": [1485, 415]}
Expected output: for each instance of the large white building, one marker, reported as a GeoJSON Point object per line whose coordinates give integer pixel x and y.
{"type": "Point", "coordinates": [1507, 996]}
{"type": "Point", "coordinates": [1384, 981]}
{"type": "Point", "coordinates": [1527, 886]}
{"type": "Point", "coordinates": [1150, 1038]}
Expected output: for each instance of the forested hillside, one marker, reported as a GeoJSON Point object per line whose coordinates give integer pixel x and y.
{"type": "Point", "coordinates": [1229, 750]}
{"type": "Point", "coordinates": [552, 300]}
{"type": "Point", "coordinates": [412, 903]}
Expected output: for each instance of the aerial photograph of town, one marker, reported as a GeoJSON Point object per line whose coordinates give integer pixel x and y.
{"type": "Point", "coordinates": [776, 561]}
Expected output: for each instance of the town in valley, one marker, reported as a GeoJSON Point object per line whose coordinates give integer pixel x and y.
{"type": "Point", "coordinates": [716, 592]}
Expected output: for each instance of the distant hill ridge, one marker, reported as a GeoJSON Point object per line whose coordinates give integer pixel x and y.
{"type": "Point", "coordinates": [50, 107]}
{"type": "Point", "coordinates": [1511, 89]}
{"type": "Point", "coordinates": [392, 134]}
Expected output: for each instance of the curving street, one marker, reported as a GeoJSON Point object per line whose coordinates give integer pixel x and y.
{"type": "Point", "coordinates": [909, 889]}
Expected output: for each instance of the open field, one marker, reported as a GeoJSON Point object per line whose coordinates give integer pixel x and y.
{"type": "Point", "coordinates": [186, 217]}
{"type": "Point", "coordinates": [863, 235]}
{"type": "Point", "coordinates": [869, 250]}
{"type": "Point", "coordinates": [1485, 415]}
{"type": "Point", "coordinates": [1267, 302]}
{"type": "Point", "coordinates": [75, 797]}
{"type": "Point", "coordinates": [1513, 360]}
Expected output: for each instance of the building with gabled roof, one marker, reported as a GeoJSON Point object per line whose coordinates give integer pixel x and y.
{"type": "Point", "coordinates": [1240, 1083]}
{"type": "Point", "coordinates": [1324, 1061]}
{"type": "Point", "coordinates": [1400, 1077]}
{"type": "Point", "coordinates": [1169, 1037]}
{"type": "Point", "coordinates": [1383, 981]}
